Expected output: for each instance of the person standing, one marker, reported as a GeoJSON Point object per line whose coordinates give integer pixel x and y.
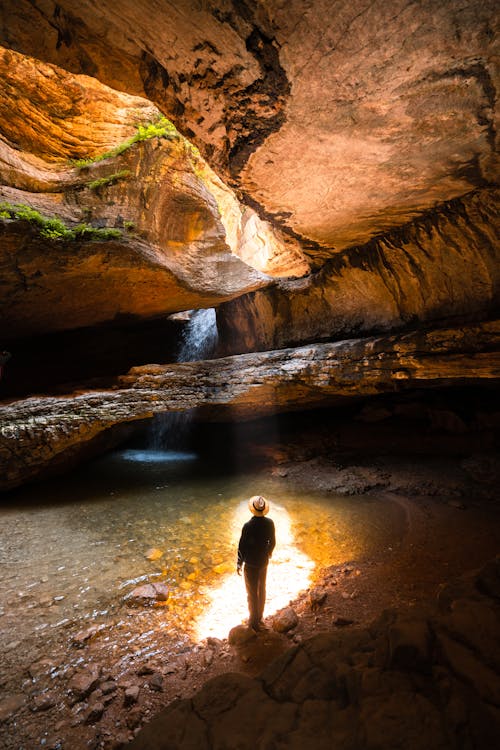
{"type": "Point", "coordinates": [255, 548]}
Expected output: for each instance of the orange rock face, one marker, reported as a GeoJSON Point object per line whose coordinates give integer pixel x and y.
{"type": "Point", "coordinates": [339, 123]}
{"type": "Point", "coordinates": [54, 115]}
{"type": "Point", "coordinates": [339, 136]}
{"type": "Point", "coordinates": [442, 267]}
{"type": "Point", "coordinates": [183, 231]}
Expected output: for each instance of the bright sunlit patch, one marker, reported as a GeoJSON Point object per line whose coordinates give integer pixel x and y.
{"type": "Point", "coordinates": [151, 457]}
{"type": "Point", "coordinates": [289, 573]}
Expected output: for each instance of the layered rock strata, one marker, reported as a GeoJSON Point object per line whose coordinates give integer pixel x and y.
{"type": "Point", "coordinates": [185, 241]}
{"type": "Point", "coordinates": [337, 123]}
{"type": "Point", "coordinates": [39, 434]}
{"type": "Point", "coordinates": [412, 679]}
{"type": "Point", "coordinates": [179, 233]}
{"type": "Point", "coordinates": [442, 267]}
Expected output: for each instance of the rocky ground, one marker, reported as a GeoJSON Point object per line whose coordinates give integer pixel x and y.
{"type": "Point", "coordinates": [452, 527]}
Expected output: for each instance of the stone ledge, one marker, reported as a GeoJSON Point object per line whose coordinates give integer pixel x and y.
{"type": "Point", "coordinates": [42, 431]}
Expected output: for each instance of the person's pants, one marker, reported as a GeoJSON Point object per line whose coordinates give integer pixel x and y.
{"type": "Point", "coordinates": [255, 582]}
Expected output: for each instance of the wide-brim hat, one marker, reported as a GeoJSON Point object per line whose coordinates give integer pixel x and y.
{"type": "Point", "coordinates": [258, 505]}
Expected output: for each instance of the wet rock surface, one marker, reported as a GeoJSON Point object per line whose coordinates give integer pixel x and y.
{"type": "Point", "coordinates": [39, 434]}
{"type": "Point", "coordinates": [391, 645]}
{"type": "Point", "coordinates": [423, 677]}
{"type": "Point", "coordinates": [150, 592]}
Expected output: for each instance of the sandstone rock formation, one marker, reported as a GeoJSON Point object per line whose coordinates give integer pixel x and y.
{"type": "Point", "coordinates": [412, 679]}
{"type": "Point", "coordinates": [345, 131]}
{"type": "Point", "coordinates": [441, 267]}
{"type": "Point", "coordinates": [55, 116]}
{"type": "Point", "coordinates": [353, 148]}
{"type": "Point", "coordinates": [338, 123]}
{"type": "Point", "coordinates": [186, 240]}
{"type": "Point", "coordinates": [181, 232]}
{"type": "Point", "coordinates": [42, 433]}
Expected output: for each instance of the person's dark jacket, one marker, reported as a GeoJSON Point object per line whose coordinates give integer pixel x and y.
{"type": "Point", "coordinates": [257, 542]}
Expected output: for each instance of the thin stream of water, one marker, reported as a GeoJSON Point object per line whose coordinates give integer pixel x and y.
{"type": "Point", "coordinates": [199, 341]}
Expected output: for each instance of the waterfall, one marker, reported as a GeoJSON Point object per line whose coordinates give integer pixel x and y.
{"type": "Point", "coordinates": [200, 337]}
{"type": "Point", "coordinates": [199, 341]}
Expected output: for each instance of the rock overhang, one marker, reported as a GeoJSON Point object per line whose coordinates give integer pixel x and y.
{"type": "Point", "coordinates": [338, 124]}
{"type": "Point", "coordinates": [331, 125]}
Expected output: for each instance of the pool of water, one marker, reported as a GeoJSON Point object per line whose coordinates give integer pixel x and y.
{"type": "Point", "coordinates": [73, 548]}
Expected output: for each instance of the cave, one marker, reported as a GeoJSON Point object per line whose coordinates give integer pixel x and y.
{"type": "Point", "coordinates": [249, 249]}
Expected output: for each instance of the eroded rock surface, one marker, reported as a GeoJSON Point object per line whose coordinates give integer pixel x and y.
{"type": "Point", "coordinates": [442, 267]}
{"type": "Point", "coordinates": [172, 252]}
{"type": "Point", "coordinates": [413, 679]}
{"type": "Point", "coordinates": [339, 123]}
{"type": "Point", "coordinates": [184, 239]}
{"type": "Point", "coordinates": [40, 432]}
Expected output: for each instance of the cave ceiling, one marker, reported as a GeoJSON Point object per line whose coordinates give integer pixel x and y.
{"type": "Point", "coordinates": [318, 127]}
{"type": "Point", "coordinates": [335, 121]}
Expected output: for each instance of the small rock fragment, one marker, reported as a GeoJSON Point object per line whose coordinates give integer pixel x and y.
{"type": "Point", "coordinates": [149, 593]}
{"type": "Point", "coordinates": [342, 622]}
{"type": "Point", "coordinates": [41, 668]}
{"type": "Point", "coordinates": [43, 701]}
{"type": "Point", "coordinates": [154, 554]}
{"type": "Point", "coordinates": [82, 683]}
{"type": "Point", "coordinates": [95, 713]}
{"type": "Point", "coordinates": [131, 696]}
{"type": "Point", "coordinates": [83, 636]}
{"type": "Point", "coordinates": [317, 597]}
{"type": "Point", "coordinates": [145, 669]}
{"type": "Point", "coordinates": [156, 682]}
{"type": "Point", "coordinates": [285, 620]}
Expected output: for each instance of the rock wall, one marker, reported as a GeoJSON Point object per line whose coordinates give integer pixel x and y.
{"type": "Point", "coordinates": [412, 679]}
{"type": "Point", "coordinates": [337, 123]}
{"type": "Point", "coordinates": [437, 269]}
{"type": "Point", "coordinates": [173, 253]}
{"type": "Point", "coordinates": [39, 433]}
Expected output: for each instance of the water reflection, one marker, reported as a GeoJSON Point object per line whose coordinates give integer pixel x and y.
{"type": "Point", "coordinates": [156, 456]}
{"type": "Point", "coordinates": [72, 549]}
{"type": "Point", "coordinates": [289, 572]}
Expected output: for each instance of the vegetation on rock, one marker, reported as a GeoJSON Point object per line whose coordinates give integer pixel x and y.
{"type": "Point", "coordinates": [109, 180]}
{"type": "Point", "coordinates": [54, 228]}
{"type": "Point", "coordinates": [162, 128]}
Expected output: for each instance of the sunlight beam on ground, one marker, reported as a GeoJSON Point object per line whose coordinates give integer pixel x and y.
{"type": "Point", "coordinates": [289, 572]}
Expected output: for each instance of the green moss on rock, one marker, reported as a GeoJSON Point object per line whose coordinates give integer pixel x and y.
{"type": "Point", "coordinates": [54, 228]}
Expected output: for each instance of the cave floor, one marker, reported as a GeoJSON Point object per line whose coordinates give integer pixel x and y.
{"type": "Point", "coordinates": [446, 533]}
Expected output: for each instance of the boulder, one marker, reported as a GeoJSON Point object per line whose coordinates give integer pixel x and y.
{"type": "Point", "coordinates": [149, 593]}
{"type": "Point", "coordinates": [84, 682]}
{"type": "Point", "coordinates": [285, 620]}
